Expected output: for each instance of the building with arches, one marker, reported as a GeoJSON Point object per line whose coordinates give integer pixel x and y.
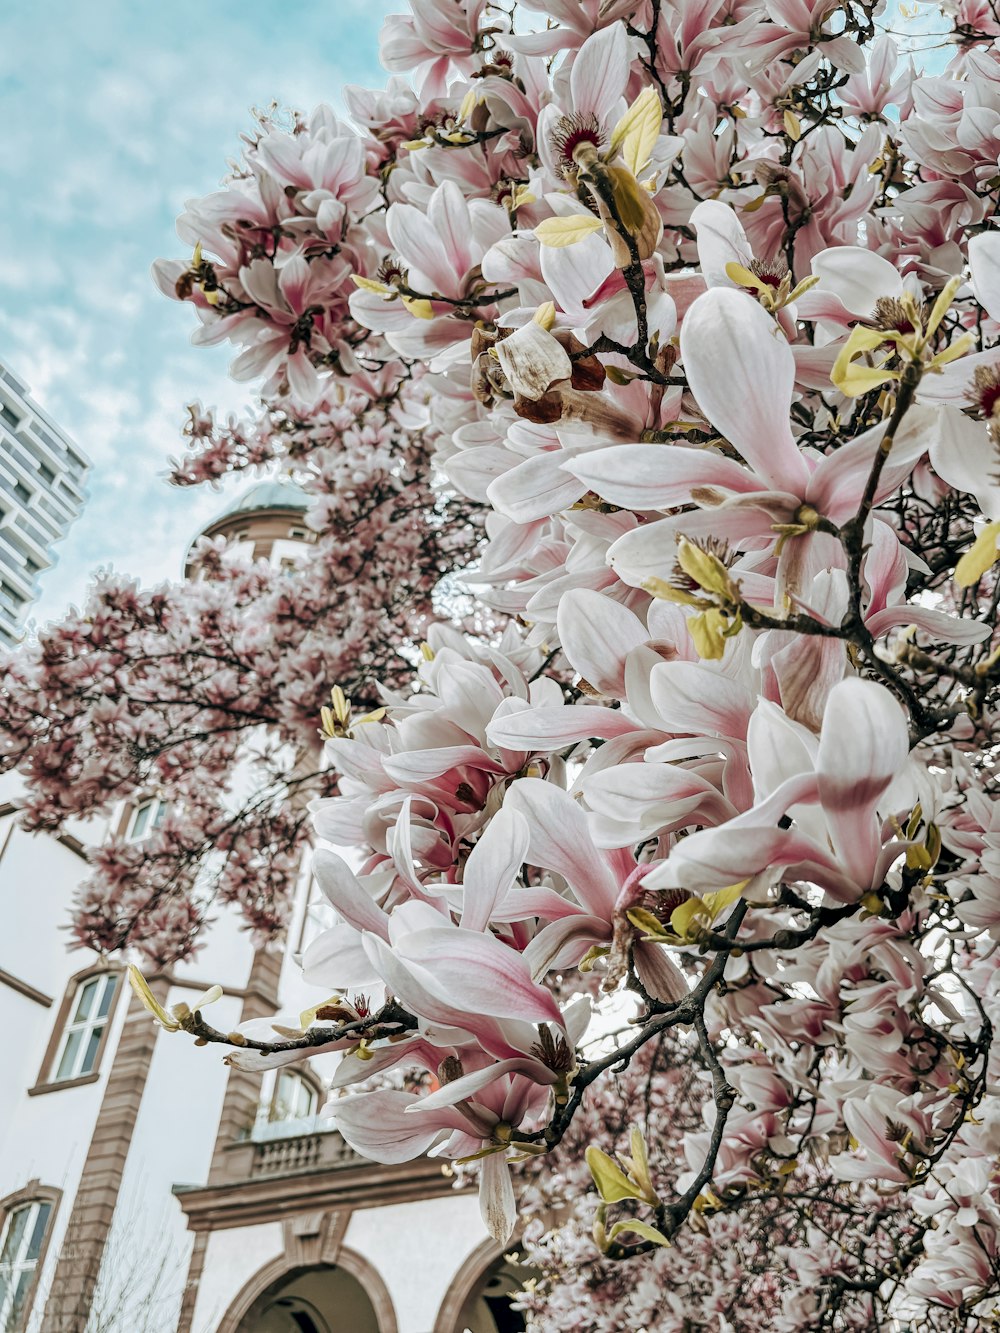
{"type": "Point", "coordinates": [147, 1188]}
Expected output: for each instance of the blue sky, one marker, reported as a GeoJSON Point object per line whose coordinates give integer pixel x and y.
{"type": "Point", "coordinates": [117, 112]}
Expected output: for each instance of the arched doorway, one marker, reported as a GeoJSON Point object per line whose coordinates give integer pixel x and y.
{"type": "Point", "coordinates": [480, 1296]}
{"type": "Point", "coordinates": [346, 1297]}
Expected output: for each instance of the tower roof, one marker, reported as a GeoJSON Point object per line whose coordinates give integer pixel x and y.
{"type": "Point", "coordinates": [275, 494]}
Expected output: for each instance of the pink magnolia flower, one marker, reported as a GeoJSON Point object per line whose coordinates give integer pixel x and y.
{"type": "Point", "coordinates": [836, 839]}
{"type": "Point", "coordinates": [749, 403]}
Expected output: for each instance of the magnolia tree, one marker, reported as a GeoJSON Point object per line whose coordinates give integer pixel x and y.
{"type": "Point", "coordinates": [700, 300]}
{"type": "Point", "coordinates": [208, 693]}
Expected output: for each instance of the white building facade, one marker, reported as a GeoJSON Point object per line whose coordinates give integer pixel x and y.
{"type": "Point", "coordinates": [42, 479]}
{"type": "Point", "coordinates": [147, 1188]}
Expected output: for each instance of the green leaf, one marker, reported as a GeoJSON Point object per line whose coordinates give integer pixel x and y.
{"type": "Point", "coordinates": [560, 232]}
{"type": "Point", "coordinates": [638, 130]}
{"type": "Point", "coordinates": [974, 564]}
{"type": "Point", "coordinates": [612, 1183]}
{"type": "Point", "coordinates": [642, 1229]}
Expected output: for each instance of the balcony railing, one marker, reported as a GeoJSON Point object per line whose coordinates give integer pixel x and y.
{"type": "Point", "coordinates": [288, 1149]}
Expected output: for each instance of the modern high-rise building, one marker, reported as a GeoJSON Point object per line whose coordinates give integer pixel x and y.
{"type": "Point", "coordinates": [146, 1187]}
{"type": "Point", "coordinates": [42, 477]}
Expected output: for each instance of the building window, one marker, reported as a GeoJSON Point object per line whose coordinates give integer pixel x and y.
{"type": "Point", "coordinates": [294, 1098]}
{"type": "Point", "coordinates": [22, 1239]}
{"type": "Point", "coordinates": [146, 819]}
{"type": "Point", "coordinates": [89, 1015]}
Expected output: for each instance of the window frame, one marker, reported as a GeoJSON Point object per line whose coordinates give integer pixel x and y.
{"type": "Point", "coordinates": [47, 1080]}
{"type": "Point", "coordinates": [158, 806]}
{"type": "Point", "coordinates": [307, 1082]}
{"type": "Point", "coordinates": [31, 1194]}
{"type": "Point", "coordinates": [265, 1126]}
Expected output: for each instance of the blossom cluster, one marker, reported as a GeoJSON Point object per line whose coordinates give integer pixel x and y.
{"type": "Point", "coordinates": [206, 695]}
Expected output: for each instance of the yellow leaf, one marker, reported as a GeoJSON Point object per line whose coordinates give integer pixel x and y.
{"type": "Point", "coordinates": [545, 316]}
{"type": "Point", "coordinates": [793, 127]}
{"type": "Point", "coordinates": [638, 130]}
{"type": "Point", "coordinates": [853, 380]}
{"type": "Point", "coordinates": [612, 1183]}
{"type": "Point", "coordinates": [953, 351]}
{"type": "Point", "coordinates": [942, 304]}
{"type": "Point", "coordinates": [743, 277]}
{"type": "Point", "coordinates": [370, 285]}
{"type": "Point", "coordinates": [642, 1229]}
{"type": "Point", "coordinates": [468, 103]}
{"type": "Point", "coordinates": [684, 916]}
{"type": "Point", "coordinates": [703, 568]}
{"type": "Point", "coordinates": [974, 564]}
{"type": "Point", "coordinates": [639, 1168]}
{"type": "Point", "coordinates": [646, 922]}
{"type": "Point", "coordinates": [139, 984]}
{"type": "Point", "coordinates": [560, 232]}
{"type": "Point", "coordinates": [708, 634]}
{"type": "Point", "coordinates": [419, 307]}
{"type": "Point", "coordinates": [631, 204]}
{"type": "Point", "coordinates": [723, 898]}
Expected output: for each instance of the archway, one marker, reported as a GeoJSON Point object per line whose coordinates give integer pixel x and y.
{"type": "Point", "coordinates": [480, 1295]}
{"type": "Point", "coordinates": [346, 1297]}
{"type": "Point", "coordinates": [318, 1300]}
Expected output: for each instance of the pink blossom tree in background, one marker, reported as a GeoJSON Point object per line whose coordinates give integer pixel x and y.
{"type": "Point", "coordinates": [699, 302]}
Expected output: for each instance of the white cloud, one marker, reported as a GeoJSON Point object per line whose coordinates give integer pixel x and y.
{"type": "Point", "coordinates": [137, 108]}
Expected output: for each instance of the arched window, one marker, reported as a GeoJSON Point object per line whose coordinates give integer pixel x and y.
{"type": "Point", "coordinates": [484, 1295]}
{"type": "Point", "coordinates": [289, 1102]}
{"type": "Point", "coordinates": [294, 1097]}
{"type": "Point", "coordinates": [146, 819]}
{"type": "Point", "coordinates": [80, 1031]}
{"type": "Point", "coordinates": [82, 1036]}
{"type": "Point", "coordinates": [25, 1227]}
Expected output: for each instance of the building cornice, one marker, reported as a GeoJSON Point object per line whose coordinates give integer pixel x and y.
{"type": "Point", "coordinates": [26, 989]}
{"type": "Point", "coordinates": [370, 1185]}
{"type": "Point", "coordinates": [66, 839]}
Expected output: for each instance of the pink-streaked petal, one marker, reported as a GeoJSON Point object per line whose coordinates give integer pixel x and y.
{"type": "Point", "coordinates": [858, 277]}
{"type": "Point", "coordinates": [721, 241]}
{"type": "Point", "coordinates": [742, 372]}
{"type": "Point", "coordinates": [597, 633]}
{"type": "Point", "coordinates": [496, 1197]}
{"type": "Point", "coordinates": [600, 72]}
{"type": "Point", "coordinates": [716, 858]}
{"type": "Point", "coordinates": [536, 488]}
{"type": "Point", "coordinates": [376, 1125]}
{"type": "Point", "coordinates": [560, 841]}
{"type": "Point", "coordinates": [342, 888]}
{"type": "Point", "coordinates": [694, 700]}
{"type": "Point", "coordinates": [863, 746]}
{"type": "Point", "coordinates": [552, 727]}
{"type": "Point", "coordinates": [935, 624]}
{"type": "Point", "coordinates": [984, 265]}
{"type": "Point", "coordinates": [337, 960]}
{"type": "Point", "coordinates": [493, 867]}
{"type": "Point", "coordinates": [651, 476]}
{"type": "Point", "coordinates": [469, 1084]}
{"type": "Point", "coordinates": [659, 974]}
{"type": "Point", "coordinates": [563, 943]}
{"type": "Point", "coordinates": [477, 973]}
